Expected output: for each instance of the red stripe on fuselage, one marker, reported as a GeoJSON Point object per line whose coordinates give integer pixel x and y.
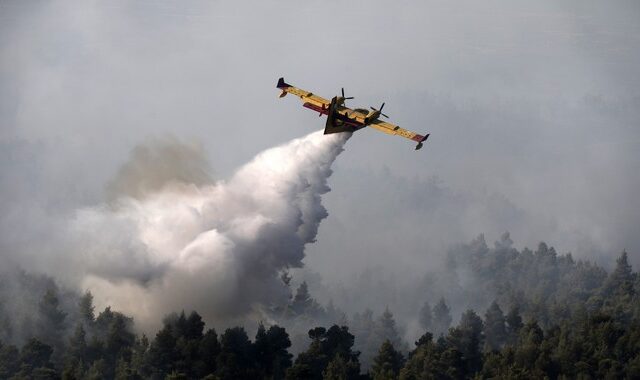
{"type": "Point", "coordinates": [339, 116]}
{"type": "Point", "coordinates": [324, 111]}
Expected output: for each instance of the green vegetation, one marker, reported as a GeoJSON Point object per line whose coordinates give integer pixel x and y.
{"type": "Point", "coordinates": [549, 317]}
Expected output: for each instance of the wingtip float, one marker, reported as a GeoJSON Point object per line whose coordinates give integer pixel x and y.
{"type": "Point", "coordinates": [344, 119]}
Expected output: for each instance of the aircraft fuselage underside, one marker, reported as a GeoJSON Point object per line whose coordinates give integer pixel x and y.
{"type": "Point", "coordinates": [340, 119]}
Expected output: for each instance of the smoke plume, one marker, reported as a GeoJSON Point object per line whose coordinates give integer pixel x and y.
{"type": "Point", "coordinates": [216, 248]}
{"type": "Point", "coordinates": [159, 163]}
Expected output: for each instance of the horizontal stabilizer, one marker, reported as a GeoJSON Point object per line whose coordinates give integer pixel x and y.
{"type": "Point", "coordinates": [421, 141]}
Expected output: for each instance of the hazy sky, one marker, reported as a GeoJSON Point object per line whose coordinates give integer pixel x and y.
{"type": "Point", "coordinates": [533, 110]}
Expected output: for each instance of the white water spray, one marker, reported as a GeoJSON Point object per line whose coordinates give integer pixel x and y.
{"type": "Point", "coordinates": [218, 248]}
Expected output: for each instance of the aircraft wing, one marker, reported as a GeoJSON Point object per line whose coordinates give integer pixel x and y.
{"type": "Point", "coordinates": [345, 118]}
{"type": "Point", "coordinates": [392, 129]}
{"type": "Point", "coordinates": [310, 100]}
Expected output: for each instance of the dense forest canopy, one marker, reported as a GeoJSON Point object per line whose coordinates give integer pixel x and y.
{"type": "Point", "coordinates": [529, 314]}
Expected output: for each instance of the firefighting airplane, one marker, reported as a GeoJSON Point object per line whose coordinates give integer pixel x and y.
{"type": "Point", "coordinates": [343, 119]}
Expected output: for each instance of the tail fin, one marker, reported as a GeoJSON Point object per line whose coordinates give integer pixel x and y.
{"type": "Point", "coordinates": [334, 125]}
{"type": "Point", "coordinates": [422, 140]}
{"type": "Point", "coordinates": [331, 117]}
{"type": "Point", "coordinates": [282, 84]}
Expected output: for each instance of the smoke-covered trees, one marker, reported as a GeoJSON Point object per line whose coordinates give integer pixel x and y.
{"type": "Point", "coordinates": [467, 339]}
{"type": "Point", "coordinates": [388, 362]}
{"type": "Point", "coordinates": [303, 304]}
{"type": "Point", "coordinates": [564, 319]}
{"type": "Point", "coordinates": [162, 352]}
{"type": "Point", "coordinates": [370, 334]}
{"type": "Point", "coordinates": [9, 360]}
{"type": "Point", "coordinates": [595, 346]}
{"type": "Point", "coordinates": [575, 315]}
{"type": "Point", "coordinates": [270, 350]}
{"type": "Point", "coordinates": [620, 282]}
{"type": "Point", "coordinates": [76, 354]}
{"type": "Point", "coordinates": [513, 324]}
{"type": "Point", "coordinates": [35, 360]}
{"type": "Point", "coordinates": [387, 329]}
{"type": "Point", "coordinates": [208, 351]}
{"type": "Point", "coordinates": [495, 329]}
{"type": "Point", "coordinates": [235, 360]}
{"type": "Point", "coordinates": [433, 360]}
{"type": "Point", "coordinates": [51, 319]}
{"type": "Point", "coordinates": [441, 317]}
{"type": "Point", "coordinates": [340, 368]}
{"type": "Point", "coordinates": [86, 308]}
{"type": "Point", "coordinates": [426, 317]}
{"type": "Point", "coordinates": [330, 356]}
{"type": "Point", "coordinates": [50, 312]}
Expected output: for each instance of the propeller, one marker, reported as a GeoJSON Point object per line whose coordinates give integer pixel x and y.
{"type": "Point", "coordinates": [380, 110]}
{"type": "Point", "coordinates": [351, 97]}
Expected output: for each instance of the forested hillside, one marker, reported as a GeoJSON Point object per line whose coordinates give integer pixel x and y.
{"type": "Point", "coordinates": [548, 315]}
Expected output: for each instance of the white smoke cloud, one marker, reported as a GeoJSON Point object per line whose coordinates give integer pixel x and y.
{"type": "Point", "coordinates": [156, 164]}
{"type": "Point", "coordinates": [214, 248]}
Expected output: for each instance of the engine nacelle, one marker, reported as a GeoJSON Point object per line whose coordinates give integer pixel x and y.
{"type": "Point", "coordinates": [372, 116]}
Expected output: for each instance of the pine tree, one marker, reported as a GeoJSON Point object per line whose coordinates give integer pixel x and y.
{"type": "Point", "coordinates": [9, 361]}
{"type": "Point", "coordinates": [261, 349]}
{"type": "Point", "coordinates": [337, 339]}
{"type": "Point", "coordinates": [34, 355]}
{"type": "Point", "coordinates": [270, 350]}
{"type": "Point", "coordinates": [49, 308]}
{"type": "Point", "coordinates": [103, 321]}
{"type": "Point", "coordinates": [97, 371]}
{"type": "Point", "coordinates": [334, 315]}
{"type": "Point", "coordinates": [451, 364]}
{"type": "Point", "coordinates": [76, 352]}
{"type": "Point", "coordinates": [505, 242]}
{"type": "Point", "coordinates": [86, 308]}
{"type": "Point", "coordinates": [325, 345]}
{"type": "Point", "coordinates": [162, 352]}
{"type": "Point", "coordinates": [124, 370]}
{"type": "Point", "coordinates": [341, 368]}
{"type": "Point", "coordinates": [235, 360]}
{"type": "Point", "coordinates": [527, 352]}
{"type": "Point", "coordinates": [387, 364]}
{"type": "Point", "coordinates": [428, 361]}
{"type": "Point", "coordinates": [302, 300]}
{"type": "Point", "coordinates": [194, 326]}
{"type": "Point", "coordinates": [513, 324]}
{"type": "Point", "coordinates": [139, 364]}
{"type": "Point", "coordinates": [386, 329]}
{"type": "Point", "coordinates": [362, 328]}
{"type": "Point", "coordinates": [544, 250]}
{"type": "Point", "coordinates": [441, 317]}
{"type": "Point", "coordinates": [52, 320]}
{"type": "Point", "coordinates": [621, 281]}
{"type": "Point", "coordinates": [310, 363]}
{"type": "Point", "coordinates": [467, 338]}
{"type": "Point", "coordinates": [208, 351]}
{"type": "Point", "coordinates": [426, 317]}
{"type": "Point", "coordinates": [303, 304]}
{"type": "Point", "coordinates": [494, 327]}
{"type": "Point", "coordinates": [179, 324]}
{"type": "Point", "coordinates": [119, 339]}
